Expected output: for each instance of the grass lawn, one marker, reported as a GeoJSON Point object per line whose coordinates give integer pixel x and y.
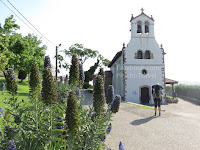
{"type": "Point", "coordinates": [23, 91]}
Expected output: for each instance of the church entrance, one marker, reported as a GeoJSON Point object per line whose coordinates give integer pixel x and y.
{"type": "Point", "coordinates": [145, 97]}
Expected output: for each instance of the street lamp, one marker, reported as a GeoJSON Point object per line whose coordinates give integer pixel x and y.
{"type": "Point", "coordinates": [57, 60]}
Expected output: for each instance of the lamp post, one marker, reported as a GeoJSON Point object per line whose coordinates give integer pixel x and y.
{"type": "Point", "coordinates": [57, 60]}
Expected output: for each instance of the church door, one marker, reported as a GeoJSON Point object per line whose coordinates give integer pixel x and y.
{"type": "Point", "coordinates": [144, 95]}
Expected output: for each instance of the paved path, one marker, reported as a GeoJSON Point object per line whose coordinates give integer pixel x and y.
{"type": "Point", "coordinates": [178, 128]}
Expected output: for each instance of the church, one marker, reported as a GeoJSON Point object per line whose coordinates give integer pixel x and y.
{"type": "Point", "coordinates": [140, 64]}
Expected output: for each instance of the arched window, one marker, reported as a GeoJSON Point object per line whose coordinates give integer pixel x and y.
{"type": "Point", "coordinates": [139, 27]}
{"type": "Point", "coordinates": [139, 55]}
{"type": "Point", "coordinates": [146, 27]}
{"type": "Point", "coordinates": [147, 55]}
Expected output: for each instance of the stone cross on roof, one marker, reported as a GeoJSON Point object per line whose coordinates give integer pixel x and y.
{"type": "Point", "coordinates": [142, 10]}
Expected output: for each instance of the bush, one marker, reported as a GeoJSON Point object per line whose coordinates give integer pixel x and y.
{"type": "Point", "coordinates": [86, 85]}
{"type": "Point", "coordinates": [22, 75]}
{"type": "Point", "coordinates": [192, 91]}
{"type": "Point", "coordinates": [110, 94]}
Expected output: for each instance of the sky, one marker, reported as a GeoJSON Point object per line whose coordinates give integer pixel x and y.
{"type": "Point", "coordinates": [104, 25]}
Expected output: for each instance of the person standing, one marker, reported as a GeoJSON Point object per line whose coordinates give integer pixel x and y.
{"type": "Point", "coordinates": [157, 96]}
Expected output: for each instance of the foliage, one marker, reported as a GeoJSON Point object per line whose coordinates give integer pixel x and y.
{"type": "Point", "coordinates": [49, 92]}
{"type": "Point", "coordinates": [98, 95]}
{"type": "Point", "coordinates": [74, 71]}
{"type": "Point", "coordinates": [18, 52]}
{"type": "Point", "coordinates": [11, 83]}
{"type": "Point", "coordinates": [110, 94]}
{"type": "Point", "coordinates": [22, 75]}
{"type": "Point", "coordinates": [83, 53]}
{"type": "Point", "coordinates": [72, 114]}
{"type": "Point", "coordinates": [62, 63]}
{"type": "Point", "coordinates": [86, 85]}
{"type": "Point", "coordinates": [89, 74]}
{"type": "Point", "coordinates": [192, 91]}
{"type": "Point", "coordinates": [115, 104]}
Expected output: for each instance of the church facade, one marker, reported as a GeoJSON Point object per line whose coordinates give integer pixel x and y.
{"type": "Point", "coordinates": [139, 65]}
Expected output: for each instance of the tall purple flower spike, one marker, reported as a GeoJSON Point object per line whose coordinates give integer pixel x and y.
{"type": "Point", "coordinates": [121, 147]}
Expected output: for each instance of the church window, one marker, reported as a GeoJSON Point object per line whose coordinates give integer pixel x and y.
{"type": "Point", "coordinates": [146, 27]}
{"type": "Point", "coordinates": [139, 27]}
{"type": "Point", "coordinates": [139, 55]}
{"type": "Point", "coordinates": [144, 71]}
{"type": "Point", "coordinates": [147, 55]}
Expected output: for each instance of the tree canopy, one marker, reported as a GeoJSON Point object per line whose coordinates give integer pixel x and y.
{"type": "Point", "coordinates": [17, 51]}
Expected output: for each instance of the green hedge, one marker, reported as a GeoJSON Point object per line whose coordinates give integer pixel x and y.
{"type": "Point", "coordinates": [192, 91]}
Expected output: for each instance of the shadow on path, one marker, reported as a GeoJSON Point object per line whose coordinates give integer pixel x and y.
{"type": "Point", "coordinates": [142, 121]}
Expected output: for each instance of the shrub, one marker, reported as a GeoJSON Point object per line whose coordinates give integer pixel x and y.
{"type": "Point", "coordinates": [11, 82]}
{"type": "Point", "coordinates": [72, 114]}
{"type": "Point", "coordinates": [22, 75]}
{"type": "Point", "coordinates": [86, 85]}
{"type": "Point", "coordinates": [102, 73]}
{"type": "Point", "coordinates": [115, 104]}
{"type": "Point", "coordinates": [74, 71]}
{"type": "Point", "coordinates": [110, 94]}
{"type": "Point", "coordinates": [98, 95]}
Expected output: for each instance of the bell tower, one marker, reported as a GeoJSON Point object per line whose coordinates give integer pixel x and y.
{"type": "Point", "coordinates": [142, 25]}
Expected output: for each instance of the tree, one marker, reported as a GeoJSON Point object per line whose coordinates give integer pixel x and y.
{"type": "Point", "coordinates": [82, 53]}
{"type": "Point", "coordinates": [19, 52]}
{"type": "Point", "coordinates": [5, 32]}
{"type": "Point", "coordinates": [74, 71]}
{"type": "Point", "coordinates": [90, 72]}
{"type": "Point", "coordinates": [23, 51]}
{"type": "Point", "coordinates": [81, 75]}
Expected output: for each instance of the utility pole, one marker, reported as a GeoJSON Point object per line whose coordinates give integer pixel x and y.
{"type": "Point", "coordinates": [57, 61]}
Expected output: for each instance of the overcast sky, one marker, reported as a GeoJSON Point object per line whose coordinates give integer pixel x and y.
{"type": "Point", "coordinates": [104, 25]}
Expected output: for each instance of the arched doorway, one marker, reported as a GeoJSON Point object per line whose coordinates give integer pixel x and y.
{"type": "Point", "coordinates": [145, 94]}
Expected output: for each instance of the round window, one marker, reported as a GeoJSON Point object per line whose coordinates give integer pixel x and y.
{"type": "Point", "coordinates": [144, 71]}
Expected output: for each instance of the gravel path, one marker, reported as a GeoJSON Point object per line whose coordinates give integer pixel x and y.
{"type": "Point", "coordinates": [177, 128]}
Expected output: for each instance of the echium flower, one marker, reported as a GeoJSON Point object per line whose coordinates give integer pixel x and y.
{"type": "Point", "coordinates": [121, 146]}
{"type": "Point", "coordinates": [12, 145]}
{"type": "Point", "coordinates": [9, 132]}
{"type": "Point", "coordinates": [17, 119]}
{"type": "Point", "coordinates": [115, 104]}
{"type": "Point", "coordinates": [81, 75]}
{"type": "Point", "coordinates": [61, 124]}
{"type": "Point", "coordinates": [98, 95]}
{"type": "Point", "coordinates": [11, 81]}
{"type": "Point", "coordinates": [110, 94]}
{"type": "Point", "coordinates": [1, 112]}
{"type": "Point", "coordinates": [3, 86]}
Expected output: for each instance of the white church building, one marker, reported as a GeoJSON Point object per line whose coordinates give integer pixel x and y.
{"type": "Point", "coordinates": [139, 65]}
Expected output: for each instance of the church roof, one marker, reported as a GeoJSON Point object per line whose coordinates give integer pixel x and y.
{"type": "Point", "coordinates": [115, 58]}
{"type": "Point", "coordinates": [170, 81]}
{"type": "Point", "coordinates": [132, 18]}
